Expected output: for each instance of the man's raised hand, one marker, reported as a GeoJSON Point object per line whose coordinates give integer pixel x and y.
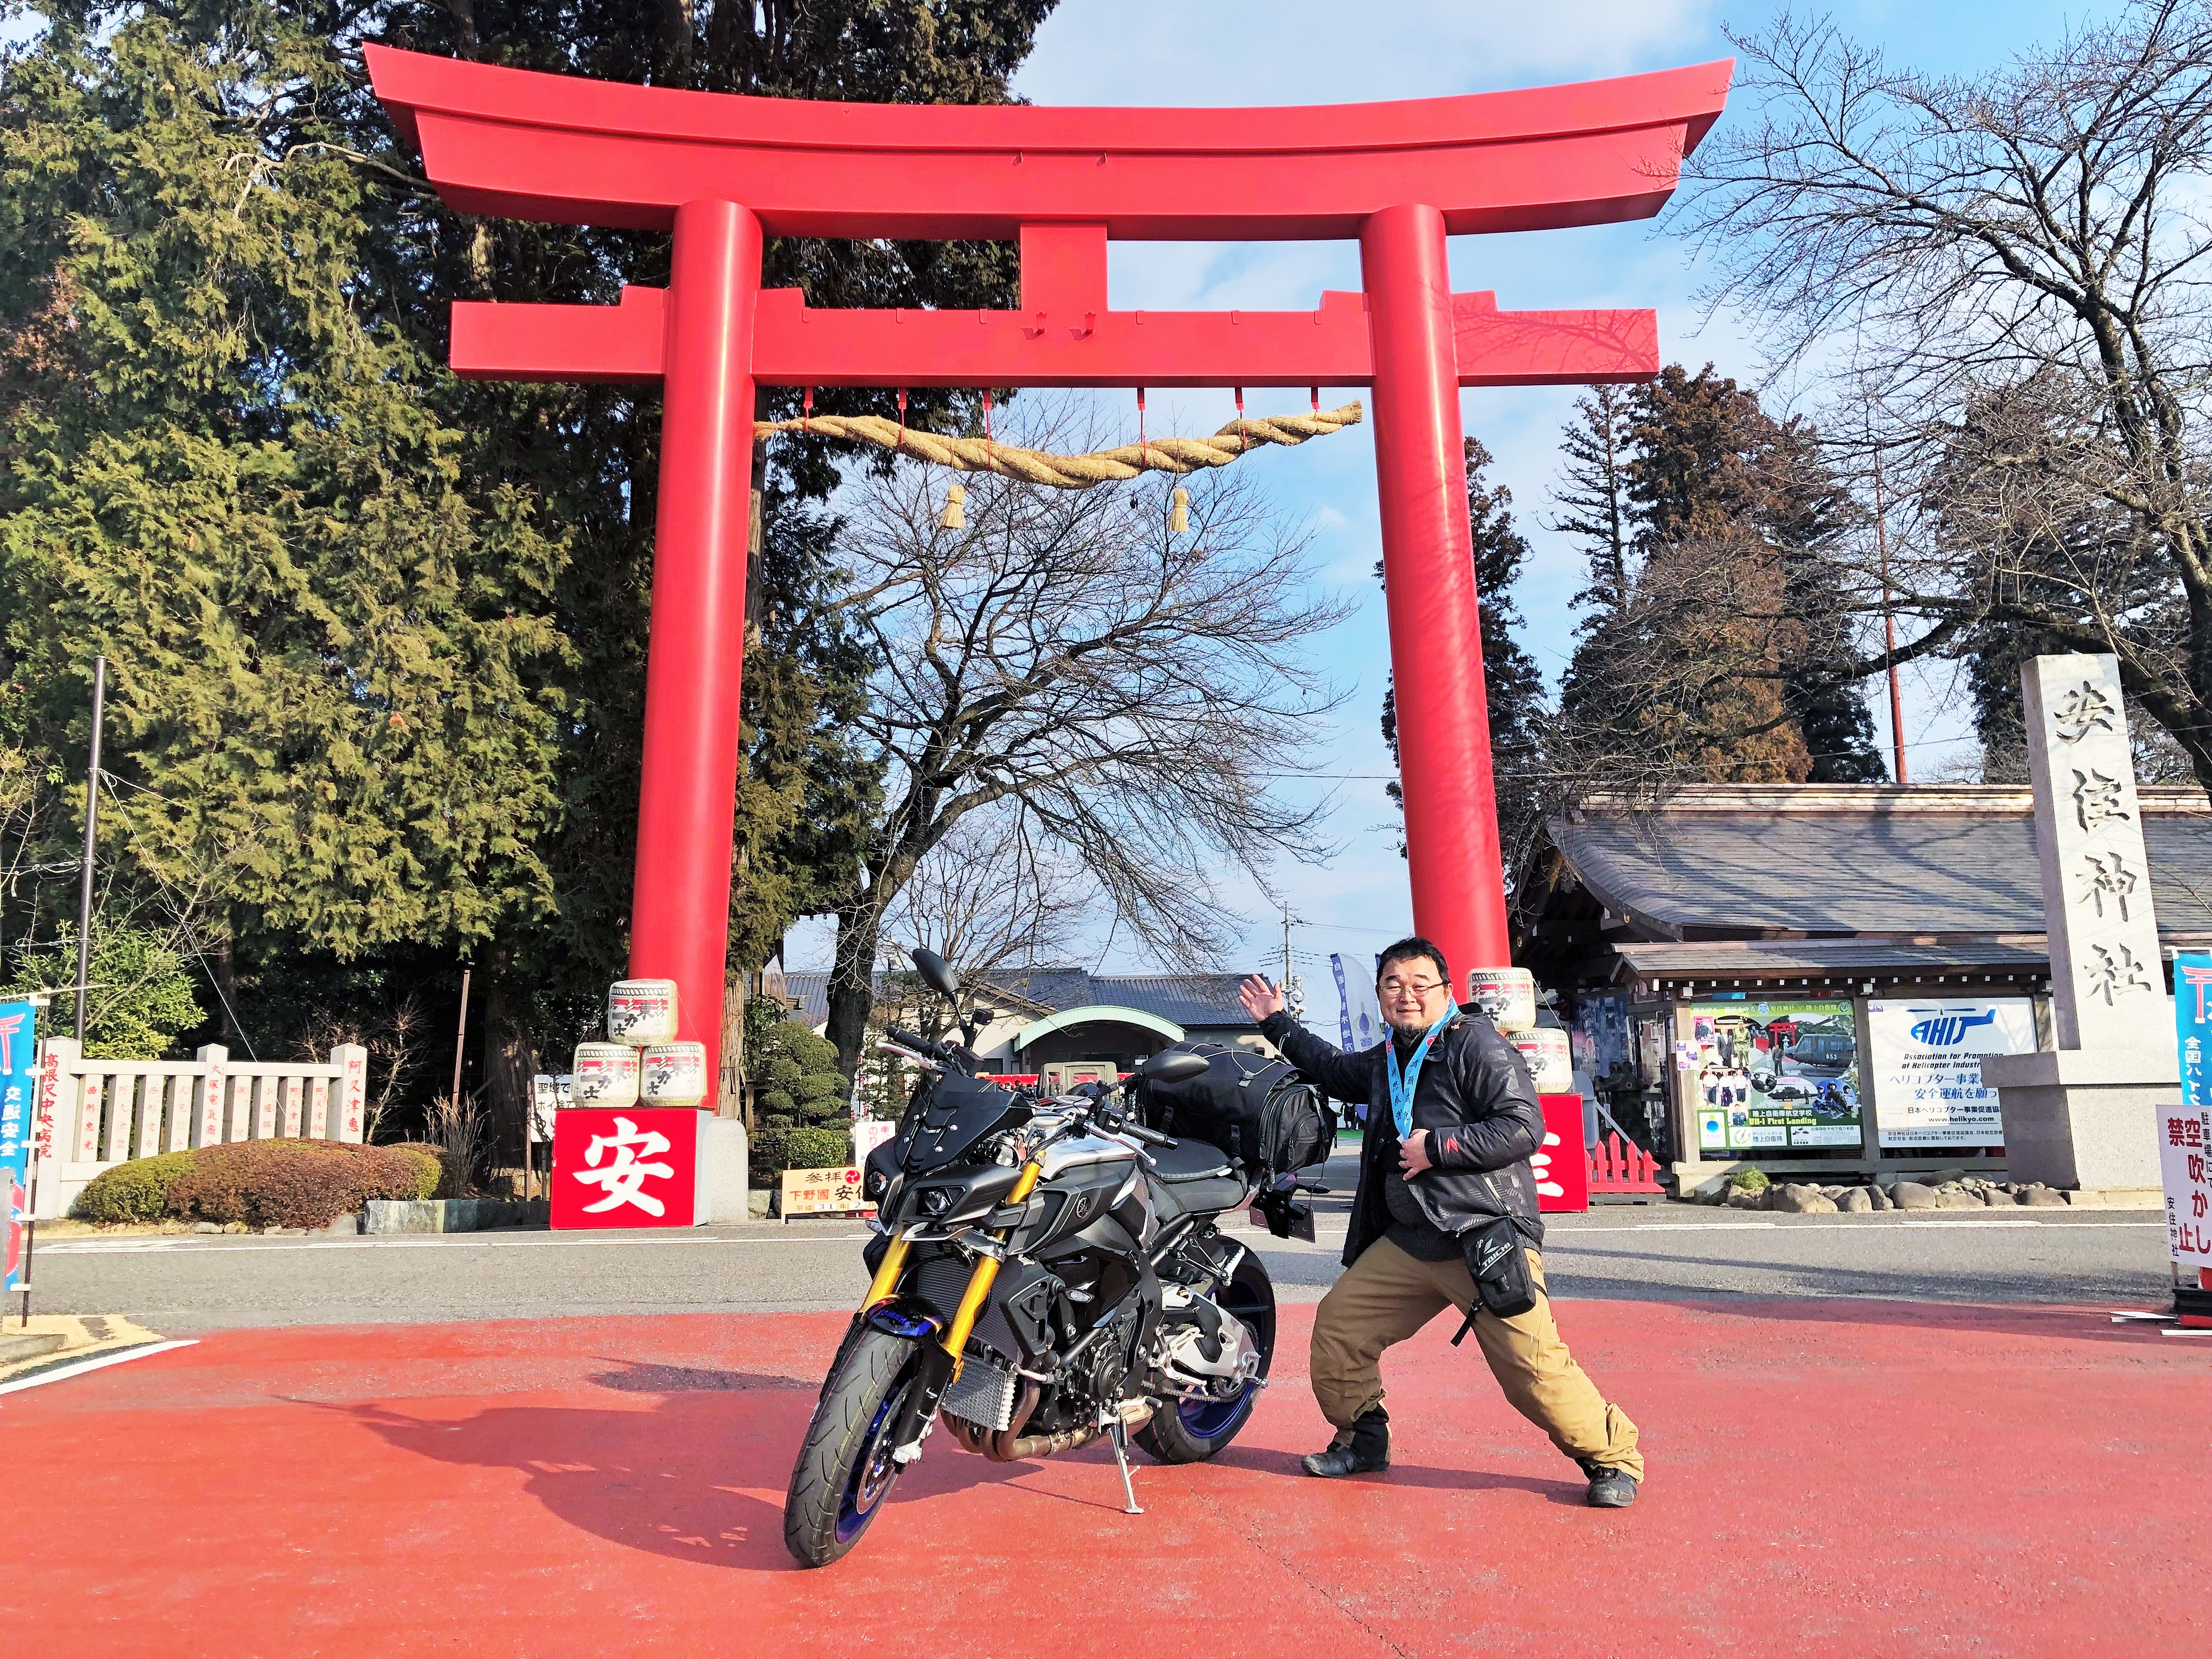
{"type": "Point", "coordinates": [1260, 998]}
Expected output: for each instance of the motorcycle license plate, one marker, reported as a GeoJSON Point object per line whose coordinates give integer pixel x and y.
{"type": "Point", "coordinates": [1301, 1223]}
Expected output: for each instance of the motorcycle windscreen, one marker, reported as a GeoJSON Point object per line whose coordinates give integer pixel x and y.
{"type": "Point", "coordinates": [961, 1110]}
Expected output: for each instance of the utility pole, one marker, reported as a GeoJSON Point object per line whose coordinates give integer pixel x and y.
{"type": "Point", "coordinates": [91, 821]}
{"type": "Point", "coordinates": [461, 1036]}
{"type": "Point", "coordinates": [1889, 626]}
{"type": "Point", "coordinates": [1293, 993]}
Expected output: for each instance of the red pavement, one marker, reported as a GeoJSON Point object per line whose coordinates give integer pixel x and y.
{"type": "Point", "coordinates": [1872, 1478]}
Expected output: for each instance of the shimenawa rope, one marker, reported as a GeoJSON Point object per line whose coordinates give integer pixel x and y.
{"type": "Point", "coordinates": [1073, 472]}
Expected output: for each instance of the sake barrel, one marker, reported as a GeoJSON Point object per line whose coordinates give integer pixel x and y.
{"type": "Point", "coordinates": [606, 1075]}
{"type": "Point", "coordinates": [674, 1074]}
{"type": "Point", "coordinates": [1550, 1059]}
{"type": "Point", "coordinates": [641, 1011]}
{"type": "Point", "coordinates": [1508, 995]}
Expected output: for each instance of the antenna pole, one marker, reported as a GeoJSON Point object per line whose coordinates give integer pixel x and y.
{"type": "Point", "coordinates": [91, 824]}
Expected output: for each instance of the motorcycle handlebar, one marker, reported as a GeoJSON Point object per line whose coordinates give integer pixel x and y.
{"type": "Point", "coordinates": [907, 1039]}
{"type": "Point", "coordinates": [1137, 1131]}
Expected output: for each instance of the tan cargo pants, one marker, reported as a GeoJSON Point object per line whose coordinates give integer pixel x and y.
{"type": "Point", "coordinates": [1386, 1296]}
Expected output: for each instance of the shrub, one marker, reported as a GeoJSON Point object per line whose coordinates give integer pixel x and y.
{"type": "Point", "coordinates": [774, 1150]}
{"type": "Point", "coordinates": [136, 1191]}
{"type": "Point", "coordinates": [291, 1183]}
{"type": "Point", "coordinates": [436, 1182]}
{"type": "Point", "coordinates": [1748, 1181]}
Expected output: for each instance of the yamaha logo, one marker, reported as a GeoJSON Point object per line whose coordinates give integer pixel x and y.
{"type": "Point", "coordinates": [1944, 1030]}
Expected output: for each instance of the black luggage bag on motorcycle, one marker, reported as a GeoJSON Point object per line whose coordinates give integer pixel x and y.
{"type": "Point", "coordinates": [1260, 1111]}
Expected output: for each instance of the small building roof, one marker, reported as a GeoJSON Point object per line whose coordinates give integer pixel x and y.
{"type": "Point", "coordinates": [1858, 859]}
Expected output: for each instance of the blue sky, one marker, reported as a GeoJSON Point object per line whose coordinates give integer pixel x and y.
{"type": "Point", "coordinates": [1298, 51]}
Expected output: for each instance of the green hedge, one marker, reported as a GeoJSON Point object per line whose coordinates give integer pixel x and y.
{"type": "Point", "coordinates": [775, 1151]}
{"type": "Point", "coordinates": [136, 1191]}
{"type": "Point", "coordinates": [443, 1178]}
{"type": "Point", "coordinates": [292, 1183]}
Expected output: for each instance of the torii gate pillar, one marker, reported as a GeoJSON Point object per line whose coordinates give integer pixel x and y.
{"type": "Point", "coordinates": [1452, 851]}
{"type": "Point", "coordinates": [687, 796]}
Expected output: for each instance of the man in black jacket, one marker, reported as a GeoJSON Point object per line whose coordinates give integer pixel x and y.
{"type": "Point", "coordinates": [1452, 1122]}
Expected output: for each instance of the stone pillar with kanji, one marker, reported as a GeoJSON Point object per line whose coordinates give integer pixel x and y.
{"type": "Point", "coordinates": [2083, 1118]}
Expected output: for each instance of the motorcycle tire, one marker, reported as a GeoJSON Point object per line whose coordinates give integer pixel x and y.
{"type": "Point", "coordinates": [1191, 1431]}
{"type": "Point", "coordinates": [844, 1470]}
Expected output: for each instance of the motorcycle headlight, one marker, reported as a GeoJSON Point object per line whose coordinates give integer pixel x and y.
{"type": "Point", "coordinates": [936, 1200]}
{"type": "Point", "coordinates": [876, 1183]}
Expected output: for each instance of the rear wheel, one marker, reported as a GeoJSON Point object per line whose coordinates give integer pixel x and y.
{"type": "Point", "coordinates": [845, 1469]}
{"type": "Point", "coordinates": [1191, 1431]}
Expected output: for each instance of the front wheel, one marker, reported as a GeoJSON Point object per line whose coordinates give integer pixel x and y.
{"type": "Point", "coordinates": [1191, 1431]}
{"type": "Point", "coordinates": [845, 1469]}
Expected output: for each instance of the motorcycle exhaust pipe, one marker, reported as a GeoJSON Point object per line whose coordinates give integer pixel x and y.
{"type": "Point", "coordinates": [1008, 1449]}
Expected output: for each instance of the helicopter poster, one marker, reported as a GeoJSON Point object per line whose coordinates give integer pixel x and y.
{"type": "Point", "coordinates": [1774, 1076]}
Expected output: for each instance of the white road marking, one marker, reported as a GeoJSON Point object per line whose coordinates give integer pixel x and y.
{"type": "Point", "coordinates": [96, 1362]}
{"type": "Point", "coordinates": [1561, 1236]}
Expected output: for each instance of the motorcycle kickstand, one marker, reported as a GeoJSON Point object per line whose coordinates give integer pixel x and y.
{"type": "Point", "coordinates": [1118, 1434]}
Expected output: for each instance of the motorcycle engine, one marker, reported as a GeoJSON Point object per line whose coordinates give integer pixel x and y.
{"type": "Point", "coordinates": [1200, 1352]}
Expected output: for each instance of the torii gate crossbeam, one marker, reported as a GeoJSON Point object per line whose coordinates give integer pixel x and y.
{"type": "Point", "coordinates": [722, 171]}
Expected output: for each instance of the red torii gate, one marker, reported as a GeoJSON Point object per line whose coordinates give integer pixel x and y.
{"type": "Point", "coordinates": [722, 171]}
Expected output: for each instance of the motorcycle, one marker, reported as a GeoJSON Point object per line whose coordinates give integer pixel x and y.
{"type": "Point", "coordinates": [1046, 1270]}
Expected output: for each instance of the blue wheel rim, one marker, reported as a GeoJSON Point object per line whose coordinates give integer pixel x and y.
{"type": "Point", "coordinates": [872, 1473]}
{"type": "Point", "coordinates": [1208, 1419]}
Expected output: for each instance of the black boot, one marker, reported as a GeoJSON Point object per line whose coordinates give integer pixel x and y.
{"type": "Point", "coordinates": [1368, 1451]}
{"type": "Point", "coordinates": [1609, 1488]}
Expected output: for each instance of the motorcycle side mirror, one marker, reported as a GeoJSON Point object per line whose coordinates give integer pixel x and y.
{"type": "Point", "coordinates": [1172, 1065]}
{"type": "Point", "coordinates": [937, 974]}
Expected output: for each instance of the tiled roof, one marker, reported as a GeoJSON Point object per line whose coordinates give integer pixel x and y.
{"type": "Point", "coordinates": [1868, 860]}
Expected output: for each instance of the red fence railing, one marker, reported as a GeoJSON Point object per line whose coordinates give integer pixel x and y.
{"type": "Point", "coordinates": [1617, 1165]}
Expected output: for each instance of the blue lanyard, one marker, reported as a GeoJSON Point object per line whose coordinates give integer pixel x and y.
{"type": "Point", "coordinates": [1401, 1087]}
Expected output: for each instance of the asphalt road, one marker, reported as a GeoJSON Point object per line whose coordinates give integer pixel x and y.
{"type": "Point", "coordinates": [181, 1285]}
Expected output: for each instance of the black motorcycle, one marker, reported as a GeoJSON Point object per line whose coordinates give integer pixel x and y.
{"type": "Point", "coordinates": [1046, 1271]}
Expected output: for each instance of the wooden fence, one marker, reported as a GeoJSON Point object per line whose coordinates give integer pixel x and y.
{"type": "Point", "coordinates": [95, 1113]}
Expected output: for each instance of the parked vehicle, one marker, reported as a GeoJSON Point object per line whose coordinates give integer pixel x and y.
{"type": "Point", "coordinates": [1046, 1270]}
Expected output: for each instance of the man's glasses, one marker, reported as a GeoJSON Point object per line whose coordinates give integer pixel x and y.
{"type": "Point", "coordinates": [1391, 987]}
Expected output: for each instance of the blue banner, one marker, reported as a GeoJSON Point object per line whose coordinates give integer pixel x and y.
{"type": "Point", "coordinates": [19, 1067]}
{"type": "Point", "coordinates": [2185, 1141]}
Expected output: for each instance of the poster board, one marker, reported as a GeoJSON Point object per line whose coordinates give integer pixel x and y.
{"type": "Point", "coordinates": [1772, 1076]}
{"type": "Point", "coordinates": [1924, 1065]}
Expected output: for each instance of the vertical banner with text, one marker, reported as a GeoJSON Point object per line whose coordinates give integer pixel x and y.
{"type": "Point", "coordinates": [19, 1066]}
{"type": "Point", "coordinates": [2185, 1138]}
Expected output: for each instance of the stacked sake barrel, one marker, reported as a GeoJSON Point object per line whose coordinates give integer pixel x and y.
{"type": "Point", "coordinates": [642, 1064]}
{"type": "Point", "coordinates": [1508, 997]}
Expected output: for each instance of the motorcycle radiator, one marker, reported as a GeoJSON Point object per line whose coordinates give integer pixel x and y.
{"type": "Point", "coordinates": [983, 1393]}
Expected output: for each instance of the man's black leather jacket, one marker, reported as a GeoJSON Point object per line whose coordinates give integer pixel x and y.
{"type": "Point", "coordinates": [1475, 1093]}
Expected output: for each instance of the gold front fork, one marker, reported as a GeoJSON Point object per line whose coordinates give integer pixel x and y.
{"type": "Point", "coordinates": [987, 1272]}
{"type": "Point", "coordinates": [886, 1284]}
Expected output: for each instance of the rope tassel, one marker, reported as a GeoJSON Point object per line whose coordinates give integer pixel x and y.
{"type": "Point", "coordinates": [954, 516]}
{"type": "Point", "coordinates": [1178, 511]}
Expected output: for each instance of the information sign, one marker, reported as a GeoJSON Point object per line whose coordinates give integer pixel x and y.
{"type": "Point", "coordinates": [1925, 1065]}
{"type": "Point", "coordinates": [2185, 1138]}
{"type": "Point", "coordinates": [834, 1191]}
{"type": "Point", "coordinates": [1770, 1076]}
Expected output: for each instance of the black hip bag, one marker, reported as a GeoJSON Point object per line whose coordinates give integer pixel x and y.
{"type": "Point", "coordinates": [1497, 1260]}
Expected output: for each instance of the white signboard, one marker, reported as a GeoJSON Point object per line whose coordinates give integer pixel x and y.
{"type": "Point", "coordinates": [1926, 1063]}
{"type": "Point", "coordinates": [868, 1133]}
